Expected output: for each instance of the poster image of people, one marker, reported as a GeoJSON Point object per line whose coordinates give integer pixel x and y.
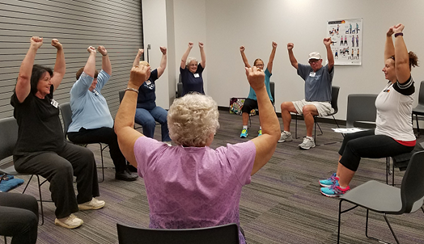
{"type": "Point", "coordinates": [346, 37]}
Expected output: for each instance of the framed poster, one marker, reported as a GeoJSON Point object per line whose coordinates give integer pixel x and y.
{"type": "Point", "coordinates": [346, 38]}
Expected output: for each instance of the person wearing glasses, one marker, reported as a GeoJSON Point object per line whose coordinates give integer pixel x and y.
{"type": "Point", "coordinates": [91, 118]}
{"type": "Point", "coordinates": [318, 80]}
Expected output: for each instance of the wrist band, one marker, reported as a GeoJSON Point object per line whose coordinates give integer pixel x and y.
{"type": "Point", "coordinates": [131, 89]}
{"type": "Point", "coordinates": [398, 34]}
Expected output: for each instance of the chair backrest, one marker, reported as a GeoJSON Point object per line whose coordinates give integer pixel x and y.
{"type": "Point", "coordinates": [224, 234]}
{"type": "Point", "coordinates": [179, 89]}
{"type": "Point", "coordinates": [360, 107]}
{"type": "Point", "coordinates": [421, 95]}
{"type": "Point", "coordinates": [8, 136]}
{"type": "Point", "coordinates": [412, 188]}
{"type": "Point", "coordinates": [66, 112]}
{"type": "Point", "coordinates": [334, 98]}
{"type": "Point", "coordinates": [121, 95]}
{"type": "Point", "coordinates": [272, 88]}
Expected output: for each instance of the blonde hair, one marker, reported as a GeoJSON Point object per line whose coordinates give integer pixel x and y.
{"type": "Point", "coordinates": [192, 119]}
{"type": "Point", "coordinates": [145, 63]}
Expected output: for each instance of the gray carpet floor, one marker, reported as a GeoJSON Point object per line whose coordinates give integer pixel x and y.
{"type": "Point", "coordinates": [281, 205]}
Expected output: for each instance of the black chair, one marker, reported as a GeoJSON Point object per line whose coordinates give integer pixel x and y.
{"type": "Point", "coordinates": [66, 112]}
{"type": "Point", "coordinates": [419, 109]}
{"type": "Point", "coordinates": [385, 199]}
{"type": "Point", "coordinates": [9, 136]}
{"type": "Point", "coordinates": [334, 104]}
{"type": "Point", "coordinates": [224, 234]}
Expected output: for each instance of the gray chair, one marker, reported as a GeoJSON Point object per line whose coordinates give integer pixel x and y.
{"type": "Point", "coordinates": [66, 113]}
{"type": "Point", "coordinates": [334, 104]}
{"type": "Point", "coordinates": [419, 109]}
{"type": "Point", "coordinates": [9, 136]}
{"type": "Point", "coordinates": [385, 199]}
{"type": "Point", "coordinates": [224, 234]}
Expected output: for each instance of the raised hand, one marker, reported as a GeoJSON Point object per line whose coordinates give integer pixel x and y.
{"type": "Point", "coordinates": [102, 50]}
{"type": "Point", "coordinates": [91, 49]}
{"type": "Point", "coordinates": [190, 45]}
{"type": "Point", "coordinates": [255, 77]}
{"type": "Point", "coordinates": [55, 43]}
{"type": "Point", "coordinates": [390, 32]}
{"type": "Point", "coordinates": [327, 41]}
{"type": "Point", "coordinates": [290, 46]}
{"type": "Point", "coordinates": [139, 74]}
{"type": "Point", "coordinates": [163, 50]}
{"type": "Point", "coordinates": [201, 44]}
{"type": "Point", "coordinates": [140, 52]}
{"type": "Point", "coordinates": [274, 45]}
{"type": "Point", "coordinates": [398, 28]}
{"type": "Point", "coordinates": [242, 49]}
{"type": "Point", "coordinates": [36, 42]}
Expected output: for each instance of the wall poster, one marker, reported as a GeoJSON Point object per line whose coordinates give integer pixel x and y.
{"type": "Point", "coordinates": [346, 38]}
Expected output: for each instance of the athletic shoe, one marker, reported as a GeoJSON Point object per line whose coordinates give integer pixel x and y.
{"type": "Point", "coordinates": [285, 136]}
{"type": "Point", "coordinates": [330, 181]}
{"type": "Point", "coordinates": [243, 133]}
{"type": "Point", "coordinates": [259, 132]}
{"type": "Point", "coordinates": [334, 190]}
{"type": "Point", "coordinates": [71, 222]}
{"type": "Point", "coordinates": [307, 143]}
{"type": "Point", "coordinates": [93, 204]}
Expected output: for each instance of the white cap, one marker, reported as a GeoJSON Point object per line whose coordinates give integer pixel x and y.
{"type": "Point", "coordinates": [314, 55]}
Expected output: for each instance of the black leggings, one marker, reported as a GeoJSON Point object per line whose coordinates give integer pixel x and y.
{"type": "Point", "coordinates": [19, 217]}
{"type": "Point", "coordinates": [366, 144]}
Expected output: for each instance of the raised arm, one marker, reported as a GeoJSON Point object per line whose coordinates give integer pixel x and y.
{"type": "Point", "coordinates": [185, 55]}
{"type": "Point", "coordinates": [162, 65]}
{"type": "Point", "coordinates": [137, 57]}
{"type": "Point", "coordinates": [106, 65]}
{"type": "Point", "coordinates": [90, 66]}
{"type": "Point", "coordinates": [202, 55]}
{"type": "Point", "coordinates": [330, 57]}
{"type": "Point", "coordinates": [60, 65]}
{"type": "Point", "coordinates": [389, 48]}
{"type": "Point", "coordinates": [124, 120]}
{"type": "Point", "coordinates": [403, 71]}
{"type": "Point", "coordinates": [23, 84]}
{"type": "Point", "coordinates": [271, 57]}
{"type": "Point", "coordinates": [243, 57]}
{"type": "Point", "coordinates": [265, 144]}
{"type": "Point", "coordinates": [292, 59]}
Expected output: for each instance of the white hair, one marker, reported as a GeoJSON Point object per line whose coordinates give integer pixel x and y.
{"type": "Point", "coordinates": [189, 59]}
{"type": "Point", "coordinates": [192, 119]}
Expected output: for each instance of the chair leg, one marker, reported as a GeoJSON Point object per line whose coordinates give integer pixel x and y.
{"type": "Point", "coordinates": [390, 227]}
{"type": "Point", "coordinates": [387, 169]}
{"type": "Point", "coordinates": [295, 130]}
{"type": "Point", "coordinates": [41, 199]}
{"type": "Point", "coordinates": [418, 125]}
{"type": "Point", "coordinates": [5, 240]}
{"type": "Point", "coordinates": [376, 239]}
{"type": "Point", "coordinates": [103, 168]}
{"type": "Point", "coordinates": [339, 222]}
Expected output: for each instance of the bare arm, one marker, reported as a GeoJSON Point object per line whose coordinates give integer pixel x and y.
{"type": "Point", "coordinates": [265, 144]}
{"type": "Point", "coordinates": [243, 57]}
{"type": "Point", "coordinates": [292, 59]}
{"type": "Point", "coordinates": [162, 65]}
{"type": "Point", "coordinates": [90, 66]}
{"type": "Point", "coordinates": [106, 65]}
{"type": "Point", "coordinates": [202, 55]}
{"type": "Point", "coordinates": [402, 57]}
{"type": "Point", "coordinates": [60, 65]}
{"type": "Point", "coordinates": [185, 55]}
{"type": "Point", "coordinates": [137, 57]}
{"type": "Point", "coordinates": [389, 48]}
{"type": "Point", "coordinates": [23, 84]}
{"type": "Point", "coordinates": [330, 57]}
{"type": "Point", "coordinates": [271, 57]}
{"type": "Point", "coordinates": [124, 120]}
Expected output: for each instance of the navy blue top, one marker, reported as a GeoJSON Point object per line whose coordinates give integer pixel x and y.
{"type": "Point", "coordinates": [192, 82]}
{"type": "Point", "coordinates": [146, 93]}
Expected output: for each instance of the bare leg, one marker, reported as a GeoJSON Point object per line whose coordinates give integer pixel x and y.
{"type": "Point", "coordinates": [245, 117]}
{"type": "Point", "coordinates": [345, 175]}
{"type": "Point", "coordinates": [309, 111]}
{"type": "Point", "coordinates": [286, 108]}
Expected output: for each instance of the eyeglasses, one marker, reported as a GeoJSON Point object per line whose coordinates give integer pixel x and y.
{"type": "Point", "coordinates": [311, 61]}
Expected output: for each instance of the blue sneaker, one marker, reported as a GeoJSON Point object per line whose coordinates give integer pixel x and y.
{"type": "Point", "coordinates": [243, 133]}
{"type": "Point", "coordinates": [330, 181]}
{"type": "Point", "coordinates": [334, 191]}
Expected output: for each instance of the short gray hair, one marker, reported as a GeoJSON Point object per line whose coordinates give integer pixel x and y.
{"type": "Point", "coordinates": [189, 59]}
{"type": "Point", "coordinates": [192, 118]}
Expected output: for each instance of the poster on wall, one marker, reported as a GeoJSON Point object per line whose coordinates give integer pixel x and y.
{"type": "Point", "coordinates": [346, 38]}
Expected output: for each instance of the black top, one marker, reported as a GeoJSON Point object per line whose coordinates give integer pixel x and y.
{"type": "Point", "coordinates": [40, 128]}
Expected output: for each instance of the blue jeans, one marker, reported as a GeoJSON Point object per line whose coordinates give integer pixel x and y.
{"type": "Point", "coordinates": [148, 118]}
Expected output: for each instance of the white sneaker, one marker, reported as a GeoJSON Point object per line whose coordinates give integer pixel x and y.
{"type": "Point", "coordinates": [285, 136]}
{"type": "Point", "coordinates": [307, 143]}
{"type": "Point", "coordinates": [71, 222]}
{"type": "Point", "coordinates": [93, 204]}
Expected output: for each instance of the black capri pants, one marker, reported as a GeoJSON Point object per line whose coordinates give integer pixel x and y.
{"type": "Point", "coordinates": [366, 144]}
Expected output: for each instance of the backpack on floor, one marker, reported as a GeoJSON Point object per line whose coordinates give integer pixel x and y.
{"type": "Point", "coordinates": [236, 104]}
